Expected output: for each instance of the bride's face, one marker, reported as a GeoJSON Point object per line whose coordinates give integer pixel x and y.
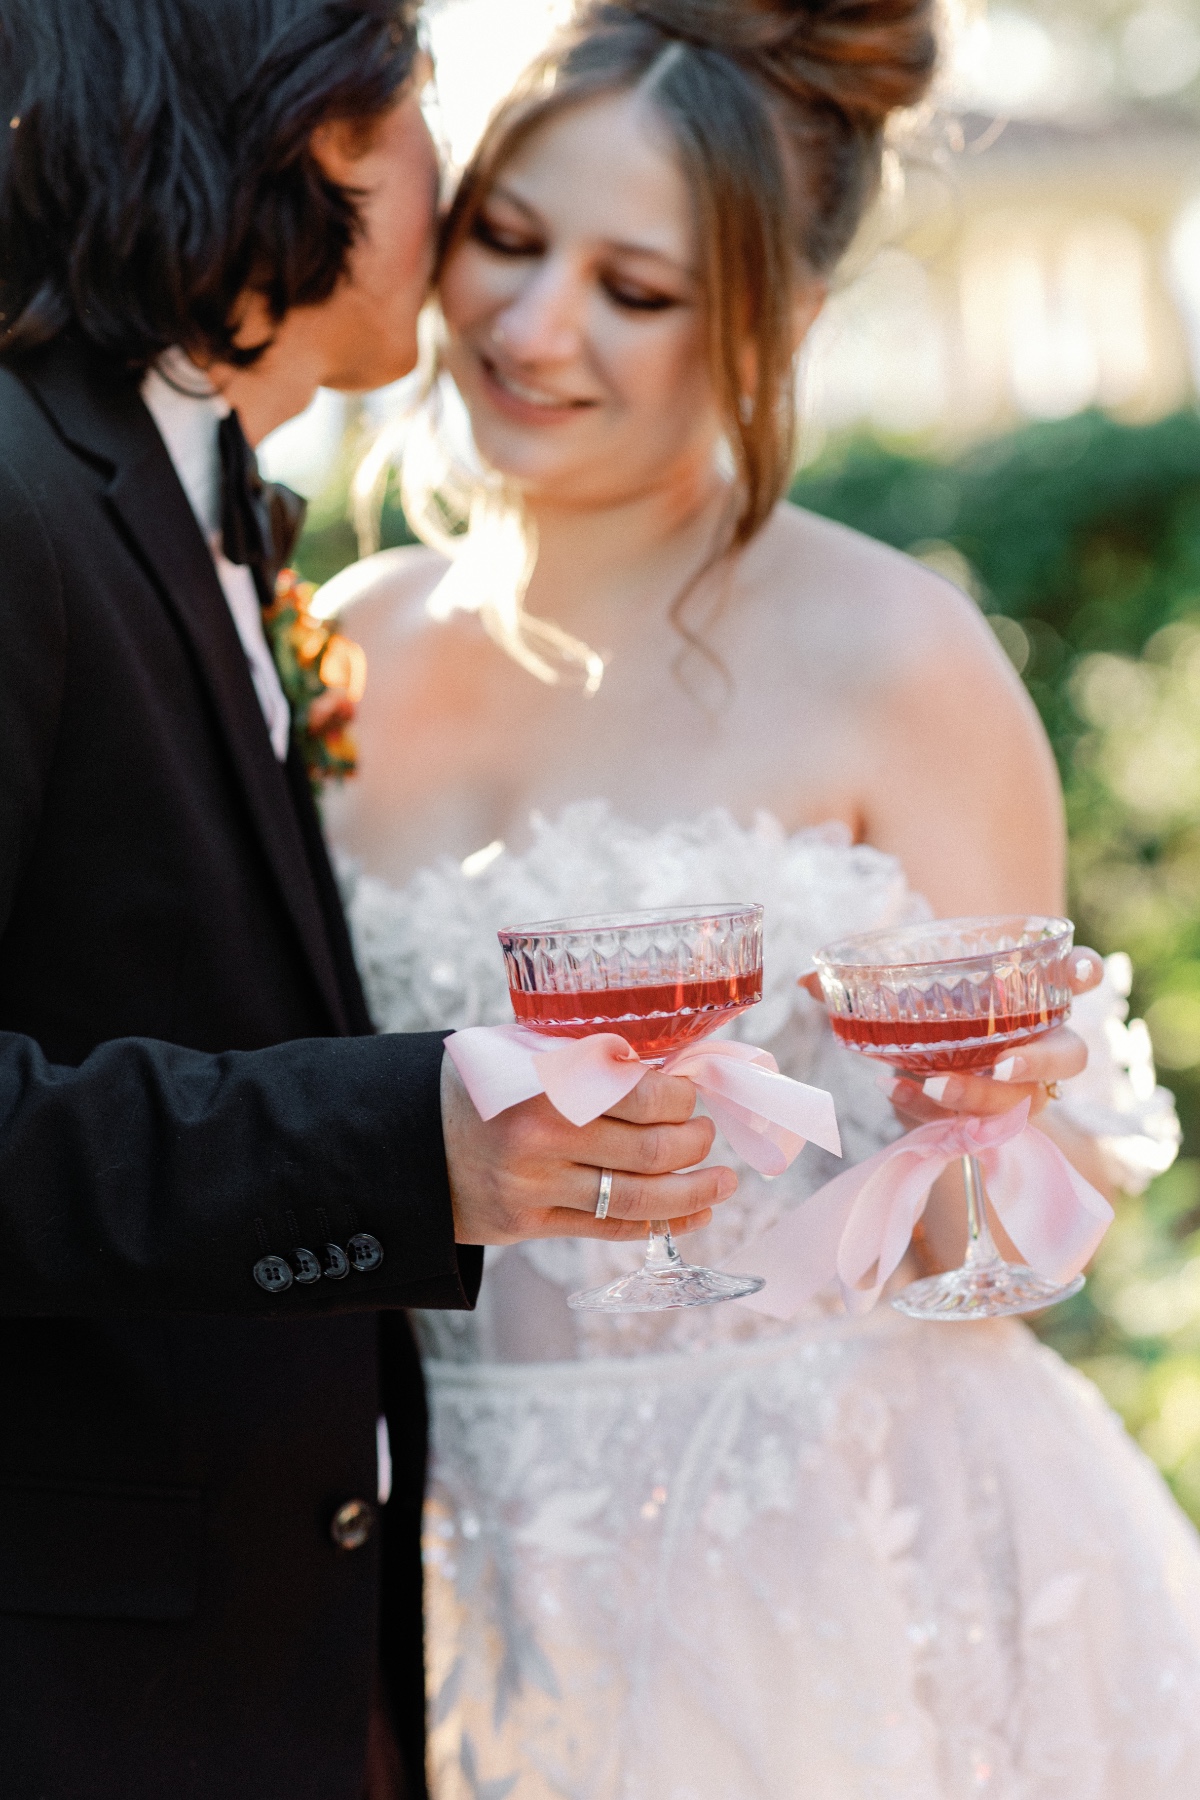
{"type": "Point", "coordinates": [576, 316]}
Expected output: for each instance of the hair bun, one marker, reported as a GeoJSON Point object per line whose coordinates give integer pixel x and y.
{"type": "Point", "coordinates": [865, 57]}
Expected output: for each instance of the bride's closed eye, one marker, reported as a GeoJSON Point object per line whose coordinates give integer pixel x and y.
{"type": "Point", "coordinates": [632, 297]}
{"type": "Point", "coordinates": [506, 239]}
{"type": "Point", "coordinates": [514, 238]}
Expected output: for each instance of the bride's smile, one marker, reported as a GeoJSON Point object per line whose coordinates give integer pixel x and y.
{"type": "Point", "coordinates": [516, 398]}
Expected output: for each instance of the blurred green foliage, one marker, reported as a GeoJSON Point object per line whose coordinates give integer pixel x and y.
{"type": "Point", "coordinates": [328, 541]}
{"type": "Point", "coordinates": [1081, 541]}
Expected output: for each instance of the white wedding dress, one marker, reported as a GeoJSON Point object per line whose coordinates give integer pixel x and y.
{"type": "Point", "coordinates": [709, 1556]}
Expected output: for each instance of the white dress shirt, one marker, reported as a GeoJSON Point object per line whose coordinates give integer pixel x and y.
{"type": "Point", "coordinates": [187, 413]}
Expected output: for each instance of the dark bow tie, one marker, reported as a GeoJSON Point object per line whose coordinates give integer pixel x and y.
{"type": "Point", "coordinates": [260, 520]}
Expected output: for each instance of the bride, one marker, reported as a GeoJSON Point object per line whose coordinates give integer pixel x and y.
{"type": "Point", "coordinates": [709, 1555]}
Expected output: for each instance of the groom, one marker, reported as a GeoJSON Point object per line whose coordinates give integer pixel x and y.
{"type": "Point", "coordinates": [216, 1187]}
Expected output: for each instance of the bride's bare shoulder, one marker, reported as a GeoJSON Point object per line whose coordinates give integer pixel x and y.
{"type": "Point", "coordinates": [887, 609]}
{"type": "Point", "coordinates": [381, 599]}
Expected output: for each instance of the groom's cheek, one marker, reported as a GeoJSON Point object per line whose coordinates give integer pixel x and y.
{"type": "Point", "coordinates": [370, 321]}
{"type": "Point", "coordinates": [392, 264]}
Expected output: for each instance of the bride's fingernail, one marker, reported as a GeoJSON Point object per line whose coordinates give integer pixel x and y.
{"type": "Point", "coordinates": [886, 1082]}
{"type": "Point", "coordinates": [935, 1087]}
{"type": "Point", "coordinates": [1010, 1068]}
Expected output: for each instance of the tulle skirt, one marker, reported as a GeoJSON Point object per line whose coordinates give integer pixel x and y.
{"type": "Point", "coordinates": [870, 1560]}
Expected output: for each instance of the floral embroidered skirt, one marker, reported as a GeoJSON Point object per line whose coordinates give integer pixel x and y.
{"type": "Point", "coordinates": [872, 1558]}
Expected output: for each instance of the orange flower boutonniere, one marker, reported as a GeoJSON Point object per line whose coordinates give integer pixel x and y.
{"type": "Point", "coordinates": [323, 675]}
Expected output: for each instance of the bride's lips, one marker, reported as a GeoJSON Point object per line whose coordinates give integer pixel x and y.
{"type": "Point", "coordinates": [524, 402]}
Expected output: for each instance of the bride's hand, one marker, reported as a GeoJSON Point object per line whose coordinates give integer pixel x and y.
{"type": "Point", "coordinates": [528, 1173]}
{"type": "Point", "coordinates": [1028, 1074]}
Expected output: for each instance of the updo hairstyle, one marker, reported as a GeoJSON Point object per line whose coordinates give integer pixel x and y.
{"type": "Point", "coordinates": [777, 110]}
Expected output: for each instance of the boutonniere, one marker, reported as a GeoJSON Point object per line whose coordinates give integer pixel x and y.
{"type": "Point", "coordinates": [323, 675]}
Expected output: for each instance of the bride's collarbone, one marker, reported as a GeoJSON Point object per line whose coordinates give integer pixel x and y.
{"type": "Point", "coordinates": [654, 755]}
{"type": "Point", "coordinates": [652, 782]}
{"type": "Point", "coordinates": [666, 736]}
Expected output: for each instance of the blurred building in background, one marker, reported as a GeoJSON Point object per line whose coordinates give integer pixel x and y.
{"type": "Point", "coordinates": [1045, 236]}
{"type": "Point", "coordinates": [1037, 268]}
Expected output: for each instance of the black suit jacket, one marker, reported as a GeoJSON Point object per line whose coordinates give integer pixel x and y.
{"type": "Point", "coordinates": [186, 1089]}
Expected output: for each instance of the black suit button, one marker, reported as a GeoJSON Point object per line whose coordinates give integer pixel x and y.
{"type": "Point", "coordinates": [273, 1274]}
{"type": "Point", "coordinates": [352, 1524]}
{"type": "Point", "coordinates": [333, 1262]}
{"type": "Point", "coordinates": [366, 1252]}
{"type": "Point", "coordinates": [305, 1267]}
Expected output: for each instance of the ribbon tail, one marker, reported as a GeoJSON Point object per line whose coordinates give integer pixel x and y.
{"type": "Point", "coordinates": [767, 1147]}
{"type": "Point", "coordinates": [880, 1227]}
{"type": "Point", "coordinates": [767, 1117]}
{"type": "Point", "coordinates": [859, 1225]}
{"type": "Point", "coordinates": [1053, 1215]}
{"type": "Point", "coordinates": [860, 1221]}
{"type": "Point", "coordinates": [798, 1256]}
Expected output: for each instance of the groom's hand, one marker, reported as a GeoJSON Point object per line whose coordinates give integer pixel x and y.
{"type": "Point", "coordinates": [530, 1174]}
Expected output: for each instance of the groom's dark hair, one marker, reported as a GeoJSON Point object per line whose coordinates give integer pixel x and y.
{"type": "Point", "coordinates": [155, 162]}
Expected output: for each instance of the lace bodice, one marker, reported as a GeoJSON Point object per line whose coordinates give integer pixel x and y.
{"type": "Point", "coordinates": [429, 959]}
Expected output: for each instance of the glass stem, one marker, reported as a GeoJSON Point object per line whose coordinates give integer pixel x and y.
{"type": "Point", "coordinates": [981, 1251]}
{"type": "Point", "coordinates": [660, 1250]}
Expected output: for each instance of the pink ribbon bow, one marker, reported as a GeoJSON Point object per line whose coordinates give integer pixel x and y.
{"type": "Point", "coordinates": [858, 1227]}
{"type": "Point", "coordinates": [766, 1117]}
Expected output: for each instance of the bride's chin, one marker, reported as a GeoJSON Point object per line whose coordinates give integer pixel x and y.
{"type": "Point", "coordinates": [516, 458]}
{"type": "Point", "coordinates": [560, 486]}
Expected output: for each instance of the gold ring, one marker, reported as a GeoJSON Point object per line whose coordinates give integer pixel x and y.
{"type": "Point", "coordinates": [1053, 1091]}
{"type": "Point", "coordinates": [606, 1181]}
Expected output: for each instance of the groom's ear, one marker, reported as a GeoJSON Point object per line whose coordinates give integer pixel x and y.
{"type": "Point", "coordinates": [338, 145]}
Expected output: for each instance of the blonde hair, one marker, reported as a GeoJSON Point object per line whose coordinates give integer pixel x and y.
{"type": "Point", "coordinates": [478, 521]}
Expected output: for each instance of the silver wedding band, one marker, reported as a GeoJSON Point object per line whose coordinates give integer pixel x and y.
{"type": "Point", "coordinates": [606, 1181]}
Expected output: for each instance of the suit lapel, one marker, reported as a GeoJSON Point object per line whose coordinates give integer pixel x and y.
{"type": "Point", "coordinates": [105, 418]}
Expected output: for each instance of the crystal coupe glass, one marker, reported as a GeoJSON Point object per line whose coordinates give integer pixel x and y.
{"type": "Point", "coordinates": [948, 996]}
{"type": "Point", "coordinates": [660, 979]}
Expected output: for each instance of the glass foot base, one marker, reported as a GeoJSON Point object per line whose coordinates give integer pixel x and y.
{"type": "Point", "coordinates": [656, 1290]}
{"type": "Point", "coordinates": [990, 1291]}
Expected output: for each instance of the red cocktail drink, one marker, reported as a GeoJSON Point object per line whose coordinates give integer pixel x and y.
{"type": "Point", "coordinates": [940, 1046]}
{"type": "Point", "coordinates": [654, 1019]}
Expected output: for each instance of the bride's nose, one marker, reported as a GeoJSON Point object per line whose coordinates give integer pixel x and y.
{"type": "Point", "coordinates": [544, 323]}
